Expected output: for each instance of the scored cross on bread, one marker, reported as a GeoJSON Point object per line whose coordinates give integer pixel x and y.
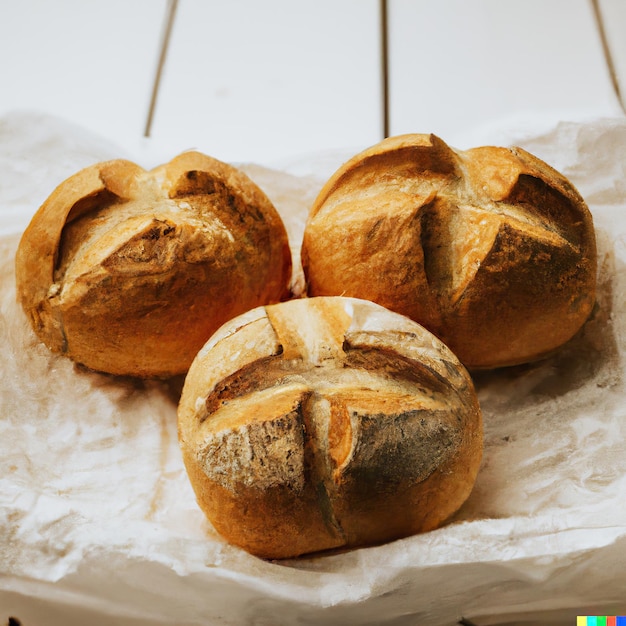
{"type": "Point", "coordinates": [327, 422]}
{"type": "Point", "coordinates": [489, 248]}
{"type": "Point", "coordinates": [130, 271]}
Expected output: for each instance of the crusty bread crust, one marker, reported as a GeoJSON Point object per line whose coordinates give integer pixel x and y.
{"type": "Point", "coordinates": [130, 271]}
{"type": "Point", "coordinates": [490, 248]}
{"type": "Point", "coordinates": [327, 423]}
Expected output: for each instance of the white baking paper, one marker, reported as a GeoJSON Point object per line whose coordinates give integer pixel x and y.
{"type": "Point", "coordinates": [99, 526]}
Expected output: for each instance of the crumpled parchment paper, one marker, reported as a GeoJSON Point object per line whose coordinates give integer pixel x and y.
{"type": "Point", "coordinates": [98, 523]}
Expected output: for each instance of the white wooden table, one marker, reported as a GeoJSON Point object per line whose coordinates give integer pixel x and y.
{"type": "Point", "coordinates": [271, 81]}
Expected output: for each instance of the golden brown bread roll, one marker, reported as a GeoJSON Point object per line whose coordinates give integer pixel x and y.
{"type": "Point", "coordinates": [130, 271]}
{"type": "Point", "coordinates": [326, 423]}
{"type": "Point", "coordinates": [490, 248]}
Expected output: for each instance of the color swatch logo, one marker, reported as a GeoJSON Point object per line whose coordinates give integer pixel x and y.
{"type": "Point", "coordinates": [601, 620]}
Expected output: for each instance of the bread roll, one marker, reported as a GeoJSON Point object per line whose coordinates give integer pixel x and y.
{"type": "Point", "coordinates": [327, 423]}
{"type": "Point", "coordinates": [490, 248]}
{"type": "Point", "coordinates": [130, 271]}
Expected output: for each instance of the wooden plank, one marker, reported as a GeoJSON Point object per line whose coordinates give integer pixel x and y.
{"type": "Point", "coordinates": [268, 81]}
{"type": "Point", "coordinates": [91, 63]}
{"type": "Point", "coordinates": [612, 14]}
{"type": "Point", "coordinates": [458, 65]}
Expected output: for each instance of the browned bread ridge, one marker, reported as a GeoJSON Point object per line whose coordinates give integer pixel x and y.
{"type": "Point", "coordinates": [491, 249]}
{"type": "Point", "coordinates": [129, 271]}
{"type": "Point", "coordinates": [326, 423]}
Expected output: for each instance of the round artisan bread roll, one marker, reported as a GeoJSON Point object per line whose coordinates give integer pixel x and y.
{"type": "Point", "coordinates": [489, 248]}
{"type": "Point", "coordinates": [325, 423]}
{"type": "Point", "coordinates": [129, 271]}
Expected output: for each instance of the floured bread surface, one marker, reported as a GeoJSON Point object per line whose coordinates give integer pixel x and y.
{"type": "Point", "coordinates": [327, 423]}
{"type": "Point", "coordinates": [130, 271]}
{"type": "Point", "coordinates": [490, 249]}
